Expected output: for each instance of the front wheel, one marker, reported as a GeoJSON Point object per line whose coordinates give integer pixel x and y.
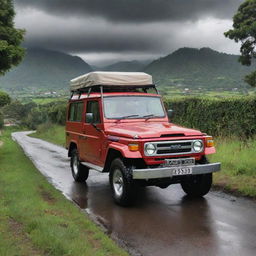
{"type": "Point", "coordinates": [79, 172]}
{"type": "Point", "coordinates": [197, 185]}
{"type": "Point", "coordinates": [122, 185]}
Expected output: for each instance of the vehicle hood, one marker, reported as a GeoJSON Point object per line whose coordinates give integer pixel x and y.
{"type": "Point", "coordinates": [149, 130]}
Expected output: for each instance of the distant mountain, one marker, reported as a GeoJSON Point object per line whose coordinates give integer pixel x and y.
{"type": "Point", "coordinates": [125, 66]}
{"type": "Point", "coordinates": [43, 68]}
{"type": "Point", "coordinates": [189, 67]}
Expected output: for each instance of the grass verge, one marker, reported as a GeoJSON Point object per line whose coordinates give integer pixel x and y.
{"type": "Point", "coordinates": [238, 166]}
{"type": "Point", "coordinates": [51, 132]}
{"type": "Point", "coordinates": [36, 219]}
{"type": "Point", "coordinates": [238, 161]}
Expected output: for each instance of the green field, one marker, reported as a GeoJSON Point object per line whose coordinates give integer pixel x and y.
{"type": "Point", "coordinates": [238, 161]}
{"type": "Point", "coordinates": [36, 219]}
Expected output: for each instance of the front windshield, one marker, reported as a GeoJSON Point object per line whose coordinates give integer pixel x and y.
{"type": "Point", "coordinates": [125, 107]}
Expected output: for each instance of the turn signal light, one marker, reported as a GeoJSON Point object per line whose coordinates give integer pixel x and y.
{"type": "Point", "coordinates": [209, 142]}
{"type": "Point", "coordinates": [133, 147]}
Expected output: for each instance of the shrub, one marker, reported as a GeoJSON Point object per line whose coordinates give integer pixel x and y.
{"type": "Point", "coordinates": [218, 117]}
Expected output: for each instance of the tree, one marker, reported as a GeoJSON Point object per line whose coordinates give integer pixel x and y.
{"type": "Point", "coordinates": [244, 30]}
{"type": "Point", "coordinates": [11, 53]}
{"type": "Point", "coordinates": [4, 99]}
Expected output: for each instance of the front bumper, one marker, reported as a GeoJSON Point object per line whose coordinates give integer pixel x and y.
{"type": "Point", "coordinates": [167, 172]}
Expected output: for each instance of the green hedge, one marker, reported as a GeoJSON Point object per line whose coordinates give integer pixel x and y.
{"type": "Point", "coordinates": [217, 117]}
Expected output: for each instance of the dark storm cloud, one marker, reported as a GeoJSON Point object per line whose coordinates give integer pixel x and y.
{"type": "Point", "coordinates": [137, 10]}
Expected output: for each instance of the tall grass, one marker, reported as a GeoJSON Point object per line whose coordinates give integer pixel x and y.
{"type": "Point", "coordinates": [238, 165]}
{"type": "Point", "coordinates": [51, 132]}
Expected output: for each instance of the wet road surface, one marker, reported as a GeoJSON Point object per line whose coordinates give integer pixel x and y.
{"type": "Point", "coordinates": [162, 222]}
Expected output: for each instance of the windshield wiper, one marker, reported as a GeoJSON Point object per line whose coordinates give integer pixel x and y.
{"type": "Point", "coordinates": [125, 117]}
{"type": "Point", "coordinates": [149, 116]}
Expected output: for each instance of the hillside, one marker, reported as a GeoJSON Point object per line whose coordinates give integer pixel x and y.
{"type": "Point", "coordinates": [125, 66]}
{"type": "Point", "coordinates": [43, 68]}
{"type": "Point", "coordinates": [189, 67]}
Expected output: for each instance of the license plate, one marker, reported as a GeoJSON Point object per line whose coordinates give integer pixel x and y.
{"type": "Point", "coordinates": [182, 171]}
{"type": "Point", "coordinates": [180, 162]}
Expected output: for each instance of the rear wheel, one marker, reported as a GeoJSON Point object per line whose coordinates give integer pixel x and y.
{"type": "Point", "coordinates": [122, 185]}
{"type": "Point", "coordinates": [79, 172]}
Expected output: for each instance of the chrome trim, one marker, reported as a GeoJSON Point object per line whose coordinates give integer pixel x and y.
{"type": "Point", "coordinates": [93, 166]}
{"type": "Point", "coordinates": [173, 142]}
{"type": "Point", "coordinates": [165, 172]}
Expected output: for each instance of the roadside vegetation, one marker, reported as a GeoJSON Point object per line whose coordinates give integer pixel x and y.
{"type": "Point", "coordinates": [53, 133]}
{"type": "Point", "coordinates": [36, 219]}
{"type": "Point", "coordinates": [238, 174]}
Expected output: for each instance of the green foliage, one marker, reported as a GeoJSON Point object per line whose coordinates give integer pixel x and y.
{"type": "Point", "coordinates": [251, 79]}
{"type": "Point", "coordinates": [31, 115]}
{"type": "Point", "coordinates": [1, 120]}
{"type": "Point", "coordinates": [244, 30]}
{"type": "Point", "coordinates": [222, 117]}
{"type": "Point", "coordinates": [10, 38]}
{"type": "Point", "coordinates": [4, 99]}
{"type": "Point", "coordinates": [51, 132]}
{"type": "Point", "coordinates": [17, 110]}
{"type": "Point", "coordinates": [57, 113]}
{"type": "Point", "coordinates": [238, 165]}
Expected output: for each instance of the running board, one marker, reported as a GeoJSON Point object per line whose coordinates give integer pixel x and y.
{"type": "Point", "coordinates": [93, 166]}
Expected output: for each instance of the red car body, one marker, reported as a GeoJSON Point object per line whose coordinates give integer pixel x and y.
{"type": "Point", "coordinates": [122, 146]}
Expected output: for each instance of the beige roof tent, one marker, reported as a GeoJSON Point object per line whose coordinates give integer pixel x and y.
{"type": "Point", "coordinates": [111, 79]}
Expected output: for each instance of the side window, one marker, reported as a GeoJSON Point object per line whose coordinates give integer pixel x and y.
{"type": "Point", "coordinates": [76, 112]}
{"type": "Point", "coordinates": [71, 112]}
{"type": "Point", "coordinates": [79, 111]}
{"type": "Point", "coordinates": [93, 107]}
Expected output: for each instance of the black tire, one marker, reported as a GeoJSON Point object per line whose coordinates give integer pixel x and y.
{"type": "Point", "coordinates": [197, 185]}
{"type": "Point", "coordinates": [123, 192]}
{"type": "Point", "coordinates": [80, 172]}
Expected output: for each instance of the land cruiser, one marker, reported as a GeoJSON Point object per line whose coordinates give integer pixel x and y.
{"type": "Point", "coordinates": [117, 123]}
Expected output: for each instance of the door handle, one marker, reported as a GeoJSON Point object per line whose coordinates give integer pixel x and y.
{"type": "Point", "coordinates": [82, 137]}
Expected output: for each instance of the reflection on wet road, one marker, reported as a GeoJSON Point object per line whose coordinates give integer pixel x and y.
{"type": "Point", "coordinates": [162, 222]}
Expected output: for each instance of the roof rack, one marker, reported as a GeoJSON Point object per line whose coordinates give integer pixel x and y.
{"type": "Point", "coordinates": [107, 88]}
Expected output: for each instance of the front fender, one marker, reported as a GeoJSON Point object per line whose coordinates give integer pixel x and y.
{"type": "Point", "coordinates": [124, 150]}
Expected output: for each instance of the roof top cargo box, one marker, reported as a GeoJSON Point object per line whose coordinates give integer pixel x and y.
{"type": "Point", "coordinates": [111, 79]}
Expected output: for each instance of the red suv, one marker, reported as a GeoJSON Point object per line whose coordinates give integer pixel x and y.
{"type": "Point", "coordinates": [116, 123]}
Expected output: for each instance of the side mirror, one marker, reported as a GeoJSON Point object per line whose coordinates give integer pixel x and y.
{"type": "Point", "coordinates": [89, 118]}
{"type": "Point", "coordinates": [170, 113]}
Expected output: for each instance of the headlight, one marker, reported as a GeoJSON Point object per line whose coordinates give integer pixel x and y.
{"type": "Point", "coordinates": [150, 149]}
{"type": "Point", "coordinates": [197, 146]}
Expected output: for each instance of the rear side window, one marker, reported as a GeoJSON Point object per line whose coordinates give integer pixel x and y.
{"type": "Point", "coordinates": [76, 112]}
{"type": "Point", "coordinates": [93, 107]}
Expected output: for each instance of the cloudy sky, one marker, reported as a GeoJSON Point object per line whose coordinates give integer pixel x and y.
{"type": "Point", "coordinates": [104, 31]}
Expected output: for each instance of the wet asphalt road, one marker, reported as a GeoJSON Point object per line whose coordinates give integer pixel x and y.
{"type": "Point", "coordinates": [162, 222]}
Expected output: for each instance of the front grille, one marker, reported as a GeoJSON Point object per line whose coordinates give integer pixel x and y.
{"type": "Point", "coordinates": [172, 147]}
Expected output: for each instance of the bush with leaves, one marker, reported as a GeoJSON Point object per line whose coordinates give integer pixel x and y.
{"type": "Point", "coordinates": [218, 117]}
{"type": "Point", "coordinates": [4, 99]}
{"type": "Point", "coordinates": [1, 120]}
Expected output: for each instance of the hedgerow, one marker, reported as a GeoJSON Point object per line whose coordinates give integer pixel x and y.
{"type": "Point", "coordinates": [218, 117]}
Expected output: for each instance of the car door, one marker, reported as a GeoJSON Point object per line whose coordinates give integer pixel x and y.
{"type": "Point", "coordinates": [93, 133]}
